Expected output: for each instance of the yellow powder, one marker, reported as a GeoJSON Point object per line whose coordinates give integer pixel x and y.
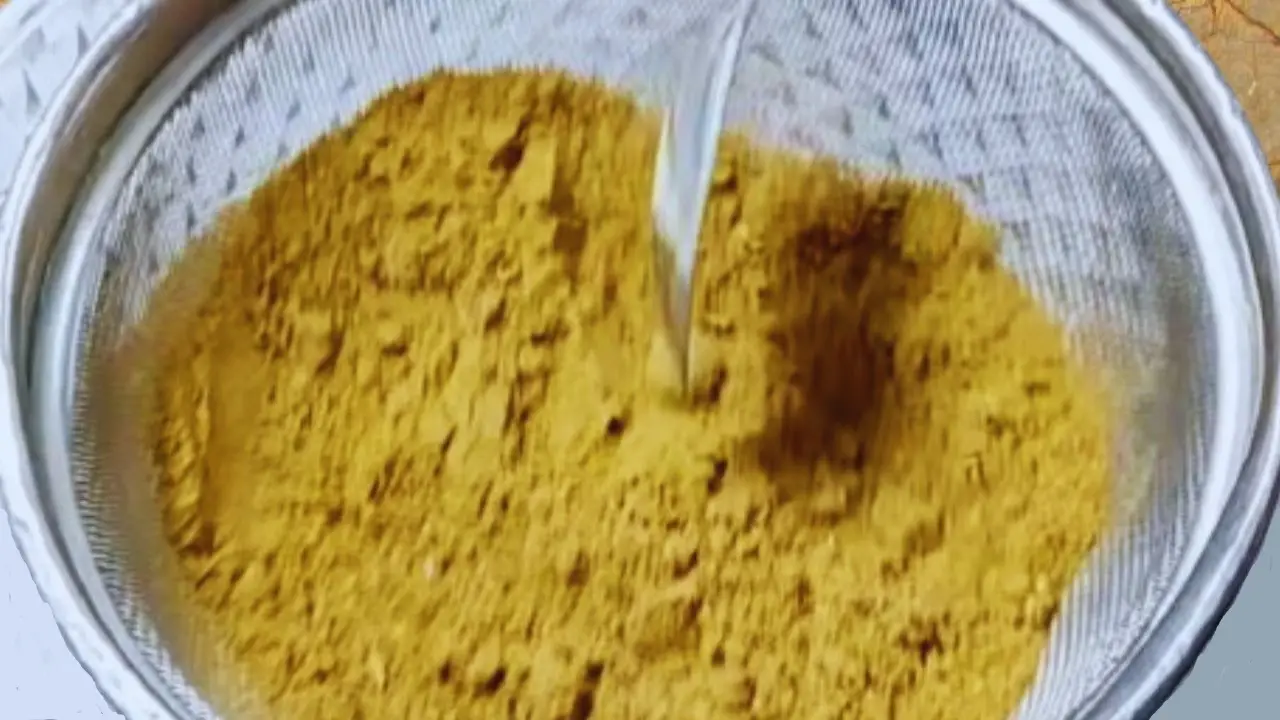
{"type": "Point", "coordinates": [416, 463]}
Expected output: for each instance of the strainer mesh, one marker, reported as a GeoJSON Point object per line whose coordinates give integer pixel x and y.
{"type": "Point", "coordinates": [971, 93]}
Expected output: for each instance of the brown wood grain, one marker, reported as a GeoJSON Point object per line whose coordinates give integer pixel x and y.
{"type": "Point", "coordinates": [1243, 37]}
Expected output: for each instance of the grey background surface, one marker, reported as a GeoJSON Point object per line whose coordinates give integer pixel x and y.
{"type": "Point", "coordinates": [1235, 678]}
{"type": "Point", "coordinates": [40, 680]}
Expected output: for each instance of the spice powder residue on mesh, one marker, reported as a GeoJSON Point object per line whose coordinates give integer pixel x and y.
{"type": "Point", "coordinates": [417, 461]}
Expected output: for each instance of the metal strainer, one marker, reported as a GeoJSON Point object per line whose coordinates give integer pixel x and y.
{"type": "Point", "coordinates": [1133, 199]}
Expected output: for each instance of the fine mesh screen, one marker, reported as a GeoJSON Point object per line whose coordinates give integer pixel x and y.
{"type": "Point", "coordinates": [970, 93]}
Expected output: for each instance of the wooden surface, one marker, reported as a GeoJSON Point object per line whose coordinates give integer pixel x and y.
{"type": "Point", "coordinates": [1243, 37]}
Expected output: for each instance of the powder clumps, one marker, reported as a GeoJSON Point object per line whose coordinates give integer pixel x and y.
{"type": "Point", "coordinates": [416, 463]}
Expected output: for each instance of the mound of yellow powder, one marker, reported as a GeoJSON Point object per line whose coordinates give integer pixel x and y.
{"type": "Point", "coordinates": [416, 462]}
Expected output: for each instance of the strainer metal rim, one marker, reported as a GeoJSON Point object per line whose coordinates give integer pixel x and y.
{"type": "Point", "coordinates": [105, 69]}
{"type": "Point", "coordinates": [115, 61]}
{"type": "Point", "coordinates": [1154, 668]}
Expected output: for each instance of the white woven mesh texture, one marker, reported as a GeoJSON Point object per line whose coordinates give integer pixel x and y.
{"type": "Point", "coordinates": [971, 93]}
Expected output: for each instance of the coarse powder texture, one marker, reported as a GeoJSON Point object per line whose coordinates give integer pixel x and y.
{"type": "Point", "coordinates": [419, 458]}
